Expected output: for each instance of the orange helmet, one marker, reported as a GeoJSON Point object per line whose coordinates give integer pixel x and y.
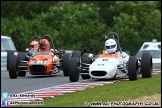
{"type": "Point", "coordinates": [44, 45]}
{"type": "Point", "coordinates": [34, 44]}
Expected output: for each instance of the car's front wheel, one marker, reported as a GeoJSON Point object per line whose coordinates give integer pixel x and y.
{"type": "Point", "coordinates": [12, 67]}
{"type": "Point", "coordinates": [9, 53]}
{"type": "Point", "coordinates": [73, 69]}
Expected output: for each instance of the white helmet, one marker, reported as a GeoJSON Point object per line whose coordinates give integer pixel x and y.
{"type": "Point", "coordinates": [110, 46]}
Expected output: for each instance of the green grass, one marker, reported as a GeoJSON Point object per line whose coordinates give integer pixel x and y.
{"type": "Point", "coordinates": [109, 92]}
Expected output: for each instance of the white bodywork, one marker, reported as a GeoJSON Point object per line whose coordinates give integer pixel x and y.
{"type": "Point", "coordinates": [107, 68]}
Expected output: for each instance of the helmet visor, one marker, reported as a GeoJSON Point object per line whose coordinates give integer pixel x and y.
{"type": "Point", "coordinates": [31, 46]}
{"type": "Point", "coordinates": [110, 47]}
{"type": "Point", "coordinates": [43, 46]}
{"type": "Point", "coordinates": [34, 46]}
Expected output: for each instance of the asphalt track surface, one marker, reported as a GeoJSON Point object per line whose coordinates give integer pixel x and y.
{"type": "Point", "coordinates": [31, 82]}
{"type": "Point", "coordinates": [41, 87]}
{"type": "Point", "coordinates": [34, 82]}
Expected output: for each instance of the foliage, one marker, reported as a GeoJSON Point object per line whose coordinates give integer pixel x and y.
{"type": "Point", "coordinates": [22, 31]}
{"type": "Point", "coordinates": [79, 25]}
{"type": "Point", "coordinates": [26, 9]}
{"type": "Point", "coordinates": [82, 25]}
{"type": "Point", "coordinates": [137, 23]}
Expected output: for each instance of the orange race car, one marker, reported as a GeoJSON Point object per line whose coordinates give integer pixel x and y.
{"type": "Point", "coordinates": [47, 60]}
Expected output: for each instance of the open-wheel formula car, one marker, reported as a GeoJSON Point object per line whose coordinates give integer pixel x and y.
{"type": "Point", "coordinates": [29, 51]}
{"type": "Point", "coordinates": [41, 63]}
{"type": "Point", "coordinates": [110, 65]}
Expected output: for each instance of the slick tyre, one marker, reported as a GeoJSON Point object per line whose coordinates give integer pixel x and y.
{"type": "Point", "coordinates": [21, 57]}
{"type": "Point", "coordinates": [146, 65]}
{"type": "Point", "coordinates": [76, 53]}
{"type": "Point", "coordinates": [9, 53]}
{"type": "Point", "coordinates": [65, 63]}
{"type": "Point", "coordinates": [13, 67]}
{"type": "Point", "coordinates": [73, 69]}
{"type": "Point", "coordinates": [133, 68]}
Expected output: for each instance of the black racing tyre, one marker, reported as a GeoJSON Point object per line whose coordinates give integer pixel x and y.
{"type": "Point", "coordinates": [87, 60]}
{"type": "Point", "coordinates": [21, 57]}
{"type": "Point", "coordinates": [73, 69]}
{"type": "Point", "coordinates": [146, 65]}
{"type": "Point", "coordinates": [65, 64]}
{"type": "Point", "coordinates": [12, 67]}
{"type": "Point", "coordinates": [9, 53]}
{"type": "Point", "coordinates": [133, 68]}
{"type": "Point", "coordinates": [76, 53]}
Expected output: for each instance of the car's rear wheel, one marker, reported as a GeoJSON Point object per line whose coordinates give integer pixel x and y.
{"type": "Point", "coordinates": [9, 53]}
{"type": "Point", "coordinates": [12, 67]}
{"type": "Point", "coordinates": [146, 65]}
{"type": "Point", "coordinates": [133, 68]}
{"type": "Point", "coordinates": [85, 59]}
{"type": "Point", "coordinates": [65, 64]}
{"type": "Point", "coordinates": [73, 69]}
{"type": "Point", "coordinates": [76, 53]}
{"type": "Point", "coordinates": [21, 57]}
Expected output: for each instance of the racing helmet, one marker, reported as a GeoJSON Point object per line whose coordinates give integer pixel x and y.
{"type": "Point", "coordinates": [34, 44]}
{"type": "Point", "coordinates": [110, 46]}
{"type": "Point", "coordinates": [44, 45]}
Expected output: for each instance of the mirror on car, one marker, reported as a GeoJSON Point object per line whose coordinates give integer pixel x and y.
{"type": "Point", "coordinates": [27, 49]}
{"type": "Point", "coordinates": [90, 55]}
{"type": "Point", "coordinates": [106, 37]}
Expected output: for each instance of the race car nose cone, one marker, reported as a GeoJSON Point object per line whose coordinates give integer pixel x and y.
{"type": "Point", "coordinates": [103, 70]}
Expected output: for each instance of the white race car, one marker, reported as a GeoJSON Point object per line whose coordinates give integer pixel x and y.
{"type": "Point", "coordinates": [110, 66]}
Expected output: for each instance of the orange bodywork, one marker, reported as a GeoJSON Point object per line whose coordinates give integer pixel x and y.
{"type": "Point", "coordinates": [108, 56]}
{"type": "Point", "coordinates": [104, 55]}
{"type": "Point", "coordinates": [45, 60]}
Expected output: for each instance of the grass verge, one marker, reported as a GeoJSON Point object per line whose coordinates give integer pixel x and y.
{"type": "Point", "coordinates": [109, 92]}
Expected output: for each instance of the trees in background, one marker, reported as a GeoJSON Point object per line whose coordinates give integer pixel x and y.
{"type": "Point", "coordinates": [82, 25]}
{"type": "Point", "coordinates": [137, 22]}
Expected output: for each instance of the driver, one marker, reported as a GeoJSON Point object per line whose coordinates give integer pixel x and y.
{"type": "Point", "coordinates": [44, 46]}
{"type": "Point", "coordinates": [33, 49]}
{"type": "Point", "coordinates": [110, 46]}
{"type": "Point", "coordinates": [34, 44]}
